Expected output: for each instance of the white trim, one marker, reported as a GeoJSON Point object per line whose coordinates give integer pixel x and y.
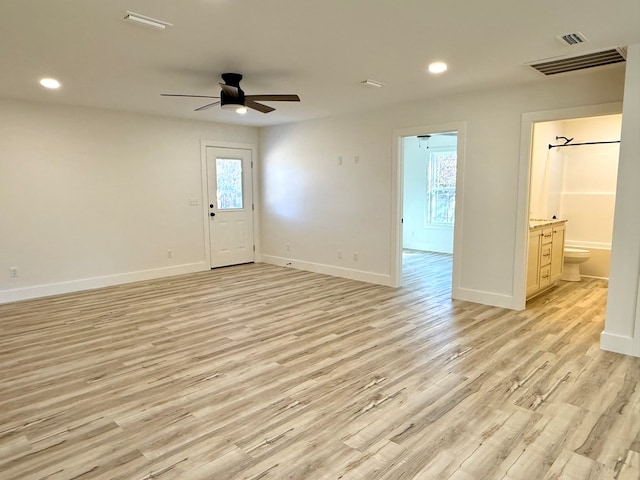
{"type": "Point", "coordinates": [332, 270]}
{"type": "Point", "coordinates": [524, 178]}
{"type": "Point", "coordinates": [591, 194]}
{"type": "Point", "coordinates": [593, 276]}
{"type": "Point", "coordinates": [71, 286]}
{"type": "Point", "coordinates": [397, 170]}
{"type": "Point", "coordinates": [587, 245]}
{"type": "Point", "coordinates": [485, 298]}
{"type": "Point", "coordinates": [619, 344]}
{"type": "Point", "coordinates": [255, 186]}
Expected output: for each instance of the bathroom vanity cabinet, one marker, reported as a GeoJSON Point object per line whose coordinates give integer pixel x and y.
{"type": "Point", "coordinates": [546, 255]}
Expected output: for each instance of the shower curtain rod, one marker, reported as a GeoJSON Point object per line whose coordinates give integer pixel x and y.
{"type": "Point", "coordinates": [583, 143]}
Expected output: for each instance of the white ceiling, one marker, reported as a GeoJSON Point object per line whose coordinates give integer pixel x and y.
{"type": "Point", "coordinates": [320, 50]}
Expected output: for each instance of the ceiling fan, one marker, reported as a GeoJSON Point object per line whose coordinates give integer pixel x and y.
{"type": "Point", "coordinates": [232, 97]}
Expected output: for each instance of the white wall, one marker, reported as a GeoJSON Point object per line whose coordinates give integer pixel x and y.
{"type": "Point", "coordinates": [417, 234]}
{"type": "Point", "coordinates": [93, 197]}
{"type": "Point", "coordinates": [319, 206]}
{"type": "Point", "coordinates": [622, 327]}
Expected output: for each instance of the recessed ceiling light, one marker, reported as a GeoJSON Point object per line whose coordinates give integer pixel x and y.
{"type": "Point", "coordinates": [51, 83]}
{"type": "Point", "coordinates": [438, 67]}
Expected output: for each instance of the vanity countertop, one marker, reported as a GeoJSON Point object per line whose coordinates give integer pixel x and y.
{"type": "Point", "coordinates": [540, 222]}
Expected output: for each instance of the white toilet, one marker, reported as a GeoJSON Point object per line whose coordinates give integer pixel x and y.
{"type": "Point", "coordinates": [573, 257]}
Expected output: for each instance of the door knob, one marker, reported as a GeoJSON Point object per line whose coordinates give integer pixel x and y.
{"type": "Point", "coordinates": [213, 214]}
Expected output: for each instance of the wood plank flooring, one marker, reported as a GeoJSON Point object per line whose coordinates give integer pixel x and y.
{"type": "Point", "coordinates": [259, 372]}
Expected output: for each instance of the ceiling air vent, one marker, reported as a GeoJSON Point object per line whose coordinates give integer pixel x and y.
{"type": "Point", "coordinates": [572, 38]}
{"type": "Point", "coordinates": [580, 62]}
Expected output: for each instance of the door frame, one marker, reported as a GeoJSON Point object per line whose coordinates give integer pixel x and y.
{"type": "Point", "coordinates": [524, 183]}
{"type": "Point", "coordinates": [204, 144]}
{"type": "Point", "coordinates": [397, 200]}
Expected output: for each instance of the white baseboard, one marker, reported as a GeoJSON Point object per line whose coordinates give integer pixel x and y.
{"type": "Point", "coordinates": [619, 344]}
{"type": "Point", "coordinates": [485, 298]}
{"type": "Point", "coordinates": [587, 245]}
{"type": "Point", "coordinates": [593, 276]}
{"type": "Point", "coordinates": [38, 291]}
{"type": "Point", "coordinates": [334, 271]}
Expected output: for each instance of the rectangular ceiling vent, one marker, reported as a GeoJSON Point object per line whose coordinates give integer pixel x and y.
{"type": "Point", "coordinates": [572, 38]}
{"type": "Point", "coordinates": [580, 62]}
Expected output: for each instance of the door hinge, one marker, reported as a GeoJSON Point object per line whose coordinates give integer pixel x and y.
{"type": "Point", "coordinates": [254, 248]}
{"type": "Point", "coordinates": [251, 163]}
{"type": "Point", "coordinates": [253, 207]}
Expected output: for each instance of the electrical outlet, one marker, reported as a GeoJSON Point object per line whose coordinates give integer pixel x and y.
{"type": "Point", "coordinates": [169, 253]}
{"type": "Point", "coordinates": [287, 246]}
{"type": "Point", "coordinates": [356, 159]}
{"type": "Point", "coordinates": [13, 272]}
{"type": "Point", "coordinates": [340, 254]}
{"type": "Point", "coordinates": [355, 256]}
{"type": "Point", "coordinates": [339, 160]}
{"type": "Point", "coordinates": [194, 202]}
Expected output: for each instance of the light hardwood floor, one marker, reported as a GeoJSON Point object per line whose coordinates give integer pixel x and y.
{"type": "Point", "coordinates": [260, 372]}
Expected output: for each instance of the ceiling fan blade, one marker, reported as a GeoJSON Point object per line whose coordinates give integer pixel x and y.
{"type": "Point", "coordinates": [230, 90]}
{"type": "Point", "coordinates": [209, 105]}
{"type": "Point", "coordinates": [258, 106]}
{"type": "Point", "coordinates": [274, 98]}
{"type": "Point", "coordinates": [191, 96]}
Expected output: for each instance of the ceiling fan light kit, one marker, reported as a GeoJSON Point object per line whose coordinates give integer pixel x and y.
{"type": "Point", "coordinates": [232, 97]}
{"type": "Point", "coordinates": [236, 107]}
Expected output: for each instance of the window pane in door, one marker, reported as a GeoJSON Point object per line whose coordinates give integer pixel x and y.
{"type": "Point", "coordinates": [229, 183]}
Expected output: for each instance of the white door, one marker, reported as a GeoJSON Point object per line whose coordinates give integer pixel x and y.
{"type": "Point", "coordinates": [230, 206]}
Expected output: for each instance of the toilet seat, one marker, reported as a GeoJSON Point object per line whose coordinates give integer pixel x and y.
{"type": "Point", "coordinates": [576, 252]}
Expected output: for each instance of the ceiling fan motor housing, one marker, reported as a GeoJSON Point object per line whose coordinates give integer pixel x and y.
{"type": "Point", "coordinates": [233, 80]}
{"type": "Point", "coordinates": [226, 99]}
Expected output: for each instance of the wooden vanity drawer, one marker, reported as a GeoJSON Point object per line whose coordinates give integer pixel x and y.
{"type": "Point", "coordinates": [545, 255]}
{"type": "Point", "coordinates": [545, 276]}
{"type": "Point", "coordinates": [547, 235]}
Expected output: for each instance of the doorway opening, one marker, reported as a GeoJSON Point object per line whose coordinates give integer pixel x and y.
{"type": "Point", "coordinates": [576, 183]}
{"type": "Point", "coordinates": [228, 187]}
{"type": "Point", "coordinates": [429, 209]}
{"type": "Point", "coordinates": [429, 193]}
